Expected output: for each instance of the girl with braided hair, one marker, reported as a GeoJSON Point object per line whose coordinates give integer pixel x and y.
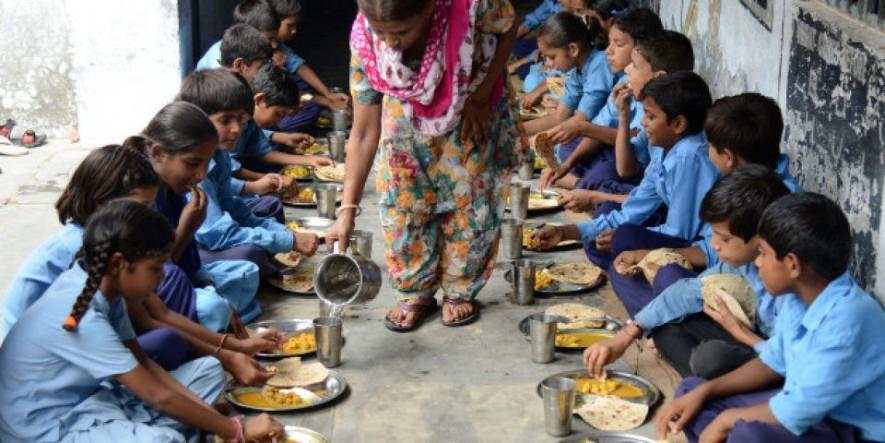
{"type": "Point", "coordinates": [167, 323]}
{"type": "Point", "coordinates": [58, 359]}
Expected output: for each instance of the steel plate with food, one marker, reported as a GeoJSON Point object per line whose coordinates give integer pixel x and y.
{"type": "Point", "coordinates": [532, 244]}
{"type": "Point", "coordinates": [298, 333]}
{"type": "Point", "coordinates": [297, 281]}
{"type": "Point", "coordinates": [624, 385]}
{"type": "Point", "coordinates": [306, 197]}
{"type": "Point", "coordinates": [274, 399]}
{"type": "Point", "coordinates": [297, 172]}
{"type": "Point", "coordinates": [311, 225]}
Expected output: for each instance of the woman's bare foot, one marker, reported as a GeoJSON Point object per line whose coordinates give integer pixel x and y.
{"type": "Point", "coordinates": [407, 320]}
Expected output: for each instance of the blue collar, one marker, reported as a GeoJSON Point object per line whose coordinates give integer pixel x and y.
{"type": "Point", "coordinates": [823, 304]}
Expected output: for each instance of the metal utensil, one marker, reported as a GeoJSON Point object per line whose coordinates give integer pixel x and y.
{"type": "Point", "coordinates": [523, 284]}
{"type": "Point", "coordinates": [542, 330]}
{"type": "Point", "coordinates": [519, 200]}
{"type": "Point", "coordinates": [328, 334]}
{"type": "Point", "coordinates": [340, 120]}
{"type": "Point", "coordinates": [511, 238]}
{"type": "Point", "coordinates": [327, 199]}
{"type": "Point", "coordinates": [337, 143]}
{"type": "Point", "coordinates": [559, 401]}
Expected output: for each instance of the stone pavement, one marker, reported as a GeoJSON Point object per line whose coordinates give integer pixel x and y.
{"type": "Point", "coordinates": [470, 384]}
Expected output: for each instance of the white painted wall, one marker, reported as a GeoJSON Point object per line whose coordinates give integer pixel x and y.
{"type": "Point", "coordinates": [102, 67]}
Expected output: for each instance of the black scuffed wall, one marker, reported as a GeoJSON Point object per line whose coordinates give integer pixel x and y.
{"type": "Point", "coordinates": [835, 92]}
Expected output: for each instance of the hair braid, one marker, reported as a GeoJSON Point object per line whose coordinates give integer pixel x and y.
{"type": "Point", "coordinates": [97, 263]}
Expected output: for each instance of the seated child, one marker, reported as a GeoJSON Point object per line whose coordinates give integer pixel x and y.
{"type": "Point", "coordinates": [231, 231]}
{"type": "Point", "coordinates": [59, 360]}
{"type": "Point", "coordinates": [678, 176]}
{"type": "Point", "coordinates": [821, 375]}
{"type": "Point", "coordinates": [663, 53]}
{"type": "Point", "coordinates": [255, 14]}
{"type": "Point", "coordinates": [289, 12]}
{"type": "Point", "coordinates": [181, 141]}
{"type": "Point", "coordinates": [168, 332]}
{"type": "Point", "coordinates": [566, 44]}
{"type": "Point", "coordinates": [741, 129]}
{"type": "Point", "coordinates": [580, 139]}
{"type": "Point", "coordinates": [525, 46]}
{"type": "Point", "coordinates": [693, 338]}
{"type": "Point", "coordinates": [274, 96]}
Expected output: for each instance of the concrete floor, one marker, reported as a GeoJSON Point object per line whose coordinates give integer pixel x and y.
{"type": "Point", "coordinates": [471, 384]}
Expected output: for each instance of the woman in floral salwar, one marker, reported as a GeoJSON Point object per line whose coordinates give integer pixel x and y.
{"type": "Point", "coordinates": [427, 77]}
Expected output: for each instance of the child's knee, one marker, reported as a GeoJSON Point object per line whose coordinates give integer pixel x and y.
{"type": "Point", "coordinates": [625, 238]}
{"type": "Point", "coordinates": [668, 275]}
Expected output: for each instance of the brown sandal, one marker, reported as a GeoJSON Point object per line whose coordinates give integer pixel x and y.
{"type": "Point", "coordinates": [422, 311]}
{"type": "Point", "coordinates": [452, 303]}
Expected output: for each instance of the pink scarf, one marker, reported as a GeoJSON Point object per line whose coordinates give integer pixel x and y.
{"type": "Point", "coordinates": [433, 97]}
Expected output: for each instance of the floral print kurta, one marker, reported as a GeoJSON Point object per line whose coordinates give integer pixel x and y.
{"type": "Point", "coordinates": [441, 197]}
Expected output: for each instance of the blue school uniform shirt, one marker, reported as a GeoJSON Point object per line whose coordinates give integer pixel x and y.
{"type": "Point", "coordinates": [40, 270]}
{"type": "Point", "coordinates": [684, 298]}
{"type": "Point", "coordinates": [211, 59]}
{"type": "Point", "coordinates": [782, 170]}
{"type": "Point", "coordinates": [832, 357]}
{"type": "Point", "coordinates": [608, 114]}
{"type": "Point", "coordinates": [253, 143]}
{"type": "Point", "coordinates": [544, 11]}
{"type": "Point", "coordinates": [588, 88]}
{"type": "Point", "coordinates": [171, 205]}
{"type": "Point", "coordinates": [46, 371]}
{"type": "Point", "coordinates": [678, 178]}
{"type": "Point", "coordinates": [229, 222]}
{"type": "Point", "coordinates": [293, 61]}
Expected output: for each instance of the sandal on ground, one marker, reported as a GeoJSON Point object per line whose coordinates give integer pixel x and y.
{"type": "Point", "coordinates": [7, 148]}
{"type": "Point", "coordinates": [421, 310]}
{"type": "Point", "coordinates": [28, 138]}
{"type": "Point", "coordinates": [452, 303]}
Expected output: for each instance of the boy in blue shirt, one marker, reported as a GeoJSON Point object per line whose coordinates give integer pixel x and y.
{"type": "Point", "coordinates": [679, 175]}
{"type": "Point", "coordinates": [289, 13]}
{"type": "Point", "coordinates": [582, 139]}
{"type": "Point", "coordinates": [742, 129]}
{"type": "Point", "coordinates": [275, 96]}
{"type": "Point", "coordinates": [691, 337]}
{"type": "Point", "coordinates": [827, 350]}
{"type": "Point", "coordinates": [661, 54]}
{"type": "Point", "coordinates": [230, 230]}
{"type": "Point", "coordinates": [256, 14]}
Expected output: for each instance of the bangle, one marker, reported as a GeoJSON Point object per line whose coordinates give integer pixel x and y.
{"type": "Point", "coordinates": [358, 209]}
{"type": "Point", "coordinates": [240, 436]}
{"type": "Point", "coordinates": [221, 344]}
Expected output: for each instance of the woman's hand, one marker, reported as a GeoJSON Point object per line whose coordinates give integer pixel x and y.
{"type": "Point", "coordinates": [476, 119]}
{"type": "Point", "coordinates": [340, 231]}
{"type": "Point", "coordinates": [194, 212]}
{"type": "Point", "coordinates": [263, 428]}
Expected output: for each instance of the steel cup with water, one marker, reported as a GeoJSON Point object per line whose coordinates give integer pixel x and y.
{"type": "Point", "coordinates": [329, 340]}
{"type": "Point", "coordinates": [511, 238]}
{"type": "Point", "coordinates": [559, 401]}
{"type": "Point", "coordinates": [519, 199]}
{"type": "Point", "coordinates": [522, 276]}
{"type": "Point", "coordinates": [327, 199]}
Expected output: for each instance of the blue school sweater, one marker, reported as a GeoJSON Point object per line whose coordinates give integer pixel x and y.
{"type": "Point", "coordinates": [678, 178]}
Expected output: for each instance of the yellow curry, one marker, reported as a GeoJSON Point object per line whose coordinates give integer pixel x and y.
{"type": "Point", "coordinates": [607, 387]}
{"type": "Point", "coordinates": [581, 339]}
{"type": "Point", "coordinates": [270, 397]}
{"type": "Point", "coordinates": [542, 280]}
{"type": "Point", "coordinates": [295, 171]}
{"type": "Point", "coordinates": [299, 344]}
